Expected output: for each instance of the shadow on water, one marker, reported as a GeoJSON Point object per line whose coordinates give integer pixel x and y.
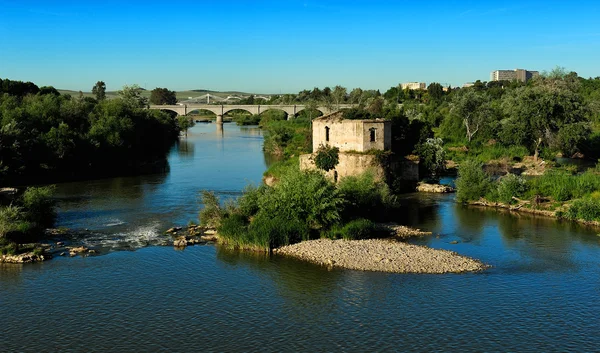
{"type": "Point", "coordinates": [297, 281]}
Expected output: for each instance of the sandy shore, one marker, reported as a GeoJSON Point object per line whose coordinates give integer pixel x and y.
{"type": "Point", "coordinates": [382, 255]}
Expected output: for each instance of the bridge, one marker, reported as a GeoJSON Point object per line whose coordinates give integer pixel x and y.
{"type": "Point", "coordinates": [220, 110]}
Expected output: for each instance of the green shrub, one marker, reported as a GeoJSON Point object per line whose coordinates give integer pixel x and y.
{"type": "Point", "coordinates": [509, 186]}
{"type": "Point", "coordinates": [472, 182]}
{"type": "Point", "coordinates": [244, 120]}
{"type": "Point", "coordinates": [586, 209]}
{"type": "Point", "coordinates": [326, 157]}
{"type": "Point", "coordinates": [307, 196]}
{"type": "Point", "coordinates": [432, 156]}
{"type": "Point", "coordinates": [358, 229]}
{"type": "Point", "coordinates": [9, 249]}
{"type": "Point", "coordinates": [212, 213]}
{"type": "Point", "coordinates": [272, 232]}
{"type": "Point", "coordinates": [233, 229]}
{"type": "Point", "coordinates": [248, 203]}
{"type": "Point", "coordinates": [39, 206]}
{"type": "Point", "coordinates": [366, 197]}
{"type": "Point", "coordinates": [279, 168]}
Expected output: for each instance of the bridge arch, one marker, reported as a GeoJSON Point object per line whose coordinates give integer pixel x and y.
{"type": "Point", "coordinates": [320, 111]}
{"type": "Point", "coordinates": [232, 108]}
{"type": "Point", "coordinates": [200, 111]}
{"type": "Point", "coordinates": [168, 109]}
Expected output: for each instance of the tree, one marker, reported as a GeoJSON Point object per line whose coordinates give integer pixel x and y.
{"type": "Point", "coordinates": [542, 111]}
{"type": "Point", "coordinates": [357, 96]}
{"type": "Point", "coordinates": [184, 123]}
{"type": "Point", "coordinates": [162, 96]}
{"type": "Point", "coordinates": [133, 96]}
{"type": "Point", "coordinates": [432, 156]}
{"type": "Point", "coordinates": [435, 91]}
{"type": "Point", "coordinates": [339, 95]}
{"type": "Point", "coordinates": [473, 108]}
{"type": "Point", "coordinates": [99, 90]}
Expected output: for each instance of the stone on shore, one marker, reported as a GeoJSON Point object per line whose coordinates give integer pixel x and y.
{"type": "Point", "coordinates": [403, 232]}
{"type": "Point", "coordinates": [382, 255]}
{"type": "Point", "coordinates": [436, 188]}
{"type": "Point", "coordinates": [24, 258]}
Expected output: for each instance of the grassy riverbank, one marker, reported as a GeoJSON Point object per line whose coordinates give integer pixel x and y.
{"type": "Point", "coordinates": [558, 193]}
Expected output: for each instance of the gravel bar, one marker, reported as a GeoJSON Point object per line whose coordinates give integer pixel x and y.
{"type": "Point", "coordinates": [382, 255]}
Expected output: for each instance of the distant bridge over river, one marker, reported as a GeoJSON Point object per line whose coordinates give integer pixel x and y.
{"type": "Point", "coordinates": [220, 110]}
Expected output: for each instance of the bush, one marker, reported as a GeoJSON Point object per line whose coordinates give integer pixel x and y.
{"type": "Point", "coordinates": [39, 206]}
{"type": "Point", "coordinates": [327, 157]}
{"type": "Point", "coordinates": [233, 229]}
{"type": "Point", "coordinates": [433, 156]}
{"type": "Point", "coordinates": [509, 186]}
{"type": "Point", "coordinates": [272, 232]}
{"type": "Point", "coordinates": [306, 196]}
{"type": "Point", "coordinates": [366, 197]}
{"type": "Point", "coordinates": [586, 209]}
{"type": "Point", "coordinates": [212, 213]}
{"type": "Point", "coordinates": [358, 229]}
{"type": "Point", "coordinates": [472, 182]}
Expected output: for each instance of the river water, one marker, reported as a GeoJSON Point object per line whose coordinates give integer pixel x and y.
{"type": "Point", "coordinates": [541, 295]}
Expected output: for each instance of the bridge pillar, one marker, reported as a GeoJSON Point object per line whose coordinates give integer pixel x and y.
{"type": "Point", "coordinates": [220, 119]}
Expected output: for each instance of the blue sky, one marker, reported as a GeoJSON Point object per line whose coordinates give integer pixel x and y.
{"type": "Point", "coordinates": [287, 46]}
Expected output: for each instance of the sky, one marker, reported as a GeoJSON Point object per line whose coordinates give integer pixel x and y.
{"type": "Point", "coordinates": [287, 46]}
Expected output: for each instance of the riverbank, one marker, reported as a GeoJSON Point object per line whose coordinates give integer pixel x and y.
{"type": "Point", "coordinates": [522, 208]}
{"type": "Point", "coordinates": [382, 255]}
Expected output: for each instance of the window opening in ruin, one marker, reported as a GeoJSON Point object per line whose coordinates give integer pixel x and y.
{"type": "Point", "coordinates": [327, 133]}
{"type": "Point", "coordinates": [372, 133]}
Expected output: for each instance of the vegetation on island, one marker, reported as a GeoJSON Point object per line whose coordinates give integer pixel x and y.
{"type": "Point", "coordinates": [24, 217]}
{"type": "Point", "coordinates": [303, 205]}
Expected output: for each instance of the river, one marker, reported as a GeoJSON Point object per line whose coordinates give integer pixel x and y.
{"type": "Point", "coordinates": [542, 293]}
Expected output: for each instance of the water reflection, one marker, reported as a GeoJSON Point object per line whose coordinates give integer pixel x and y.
{"type": "Point", "coordinates": [299, 282]}
{"type": "Point", "coordinates": [185, 149]}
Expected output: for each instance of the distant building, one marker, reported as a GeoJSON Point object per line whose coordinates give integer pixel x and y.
{"type": "Point", "coordinates": [468, 84]}
{"type": "Point", "coordinates": [512, 75]}
{"type": "Point", "coordinates": [414, 85]}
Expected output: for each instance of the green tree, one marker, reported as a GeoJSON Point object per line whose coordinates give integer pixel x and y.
{"type": "Point", "coordinates": [339, 96]}
{"type": "Point", "coordinates": [473, 108]}
{"type": "Point", "coordinates": [184, 123]}
{"type": "Point", "coordinates": [99, 90]}
{"type": "Point", "coordinates": [133, 96]}
{"type": "Point", "coordinates": [435, 91]}
{"type": "Point", "coordinates": [162, 96]}
{"type": "Point", "coordinates": [540, 112]}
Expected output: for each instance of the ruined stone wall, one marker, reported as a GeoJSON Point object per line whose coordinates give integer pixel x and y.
{"type": "Point", "coordinates": [407, 171]}
{"type": "Point", "coordinates": [352, 135]}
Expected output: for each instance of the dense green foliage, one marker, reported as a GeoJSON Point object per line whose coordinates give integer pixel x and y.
{"type": "Point", "coordinates": [162, 96]}
{"type": "Point", "coordinates": [48, 135]}
{"type": "Point", "coordinates": [302, 205]}
{"type": "Point", "coordinates": [25, 217]}
{"type": "Point", "coordinates": [288, 137]}
{"type": "Point", "coordinates": [580, 193]}
{"type": "Point", "coordinates": [472, 182]}
{"type": "Point", "coordinates": [327, 157]}
{"type": "Point", "coordinates": [99, 90]}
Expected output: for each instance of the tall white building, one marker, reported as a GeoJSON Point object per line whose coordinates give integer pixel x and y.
{"type": "Point", "coordinates": [511, 75]}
